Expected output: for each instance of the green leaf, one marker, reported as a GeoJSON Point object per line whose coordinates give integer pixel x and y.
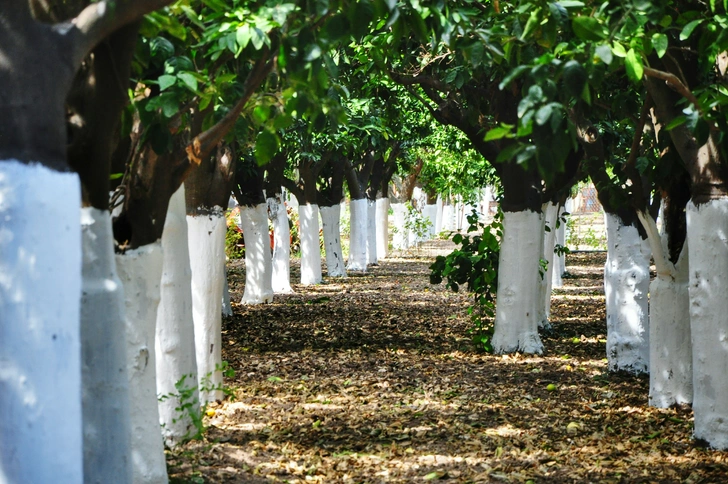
{"type": "Point", "coordinates": [508, 152]}
{"type": "Point", "coordinates": [511, 76]}
{"type": "Point", "coordinates": [570, 4]}
{"type": "Point", "coordinates": [189, 80]}
{"type": "Point", "coordinates": [543, 114]}
{"type": "Point", "coordinates": [587, 28]}
{"type": "Point", "coordinates": [633, 65]}
{"type": "Point", "coordinates": [161, 48]}
{"type": "Point", "coordinates": [502, 131]}
{"type": "Point", "coordinates": [688, 29]}
{"type": "Point", "coordinates": [166, 81]}
{"type": "Point", "coordinates": [531, 24]}
{"type": "Point", "coordinates": [604, 52]}
{"type": "Point", "coordinates": [266, 145]}
{"type": "Point", "coordinates": [618, 50]}
{"type": "Point", "coordinates": [574, 78]}
{"type": "Point", "coordinates": [679, 120]}
{"type": "Point", "coordinates": [659, 43]}
{"type": "Point", "coordinates": [243, 35]}
{"type": "Point", "coordinates": [259, 38]}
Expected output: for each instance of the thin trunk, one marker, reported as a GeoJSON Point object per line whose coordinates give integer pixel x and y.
{"type": "Point", "coordinates": [258, 263]}
{"type": "Point", "coordinates": [371, 234]}
{"type": "Point", "coordinates": [357, 235]}
{"type": "Point", "coordinates": [383, 227]}
{"type": "Point", "coordinates": [400, 240]}
{"type": "Point", "coordinates": [310, 250]}
{"type": "Point", "coordinates": [281, 262]}
{"type": "Point", "coordinates": [330, 217]}
{"type": "Point", "coordinates": [550, 211]}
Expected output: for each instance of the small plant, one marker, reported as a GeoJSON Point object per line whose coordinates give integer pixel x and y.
{"type": "Point", "coordinates": [416, 223]}
{"type": "Point", "coordinates": [189, 402]}
{"type": "Point", "coordinates": [234, 242]}
{"type": "Point", "coordinates": [475, 264]}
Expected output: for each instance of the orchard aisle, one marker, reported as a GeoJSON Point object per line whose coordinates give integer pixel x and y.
{"type": "Point", "coordinates": [372, 379]}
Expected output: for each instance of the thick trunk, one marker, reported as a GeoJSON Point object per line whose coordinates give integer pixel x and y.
{"type": "Point", "coordinates": [517, 304]}
{"type": "Point", "coordinates": [708, 248]}
{"type": "Point", "coordinates": [550, 211]}
{"type": "Point", "coordinates": [310, 250]}
{"type": "Point", "coordinates": [281, 276]}
{"type": "Point", "coordinates": [175, 333]}
{"type": "Point", "coordinates": [358, 235]}
{"type": "Point", "coordinates": [332, 240]}
{"type": "Point", "coordinates": [40, 348]}
{"type": "Point", "coordinates": [626, 283]}
{"type": "Point", "coordinates": [105, 397]}
{"type": "Point", "coordinates": [382, 227]}
{"type": "Point", "coordinates": [371, 235]}
{"type": "Point", "coordinates": [140, 270]}
{"type": "Point", "coordinates": [206, 238]}
{"type": "Point", "coordinates": [258, 263]}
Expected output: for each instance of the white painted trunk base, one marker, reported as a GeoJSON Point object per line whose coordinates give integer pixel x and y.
{"type": "Point", "coordinates": [400, 239]}
{"type": "Point", "coordinates": [358, 235]}
{"type": "Point", "coordinates": [227, 307]}
{"type": "Point", "coordinates": [175, 333]}
{"type": "Point", "coordinates": [140, 271]}
{"type": "Point", "coordinates": [448, 217]}
{"type": "Point", "coordinates": [372, 256]}
{"type": "Point", "coordinates": [106, 415]}
{"type": "Point", "coordinates": [518, 300]}
{"type": "Point", "coordinates": [430, 212]}
{"type": "Point", "coordinates": [206, 237]}
{"type": "Point", "coordinates": [438, 215]}
{"type": "Point", "coordinates": [258, 262]}
{"type": "Point", "coordinates": [330, 221]}
{"type": "Point", "coordinates": [382, 228]}
{"type": "Point", "coordinates": [557, 279]}
{"type": "Point", "coordinates": [40, 349]}
{"type": "Point", "coordinates": [281, 276]}
{"type": "Point", "coordinates": [550, 211]}
{"type": "Point", "coordinates": [708, 248]}
{"type": "Point", "coordinates": [626, 283]}
{"type": "Point", "coordinates": [308, 216]}
{"type": "Point", "coordinates": [671, 357]}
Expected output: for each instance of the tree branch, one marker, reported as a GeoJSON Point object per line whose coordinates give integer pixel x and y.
{"type": "Point", "coordinates": [676, 84]}
{"type": "Point", "coordinates": [419, 79]}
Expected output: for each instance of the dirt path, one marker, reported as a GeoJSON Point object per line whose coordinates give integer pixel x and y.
{"type": "Point", "coordinates": [372, 379]}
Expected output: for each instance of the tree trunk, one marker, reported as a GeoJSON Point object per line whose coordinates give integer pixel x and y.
{"type": "Point", "coordinates": [371, 234]}
{"type": "Point", "coordinates": [40, 347]}
{"type": "Point", "coordinates": [383, 227]}
{"type": "Point", "coordinates": [105, 397]}
{"type": "Point", "coordinates": [175, 333]}
{"type": "Point", "coordinates": [258, 264]}
{"type": "Point", "coordinates": [140, 270]}
{"type": "Point", "coordinates": [518, 302]}
{"type": "Point", "coordinates": [357, 235]}
{"type": "Point", "coordinates": [308, 217]}
{"type": "Point", "coordinates": [206, 238]}
{"type": "Point", "coordinates": [550, 211]}
{"type": "Point", "coordinates": [281, 275]}
{"type": "Point", "coordinates": [330, 217]}
{"type": "Point", "coordinates": [626, 284]}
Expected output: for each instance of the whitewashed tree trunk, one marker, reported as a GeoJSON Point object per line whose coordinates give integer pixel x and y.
{"type": "Point", "coordinates": [371, 234]}
{"type": "Point", "coordinates": [382, 227]}
{"type": "Point", "coordinates": [308, 216]}
{"type": "Point", "coordinates": [400, 240]}
{"type": "Point", "coordinates": [430, 213]}
{"type": "Point", "coordinates": [175, 333]}
{"type": "Point", "coordinates": [281, 276]}
{"type": "Point", "coordinates": [330, 221]}
{"type": "Point", "coordinates": [258, 262]}
{"type": "Point", "coordinates": [206, 237]}
{"type": "Point", "coordinates": [559, 265]}
{"type": "Point", "coordinates": [550, 211]}
{"type": "Point", "coordinates": [358, 235]}
{"type": "Point", "coordinates": [518, 301]}
{"type": "Point", "coordinates": [106, 415]}
{"type": "Point", "coordinates": [438, 216]}
{"type": "Point", "coordinates": [227, 307]}
{"type": "Point", "coordinates": [40, 348]}
{"type": "Point", "coordinates": [626, 283]}
{"type": "Point", "coordinates": [448, 217]}
{"type": "Point", "coordinates": [708, 248]}
{"type": "Point", "coordinates": [140, 270]}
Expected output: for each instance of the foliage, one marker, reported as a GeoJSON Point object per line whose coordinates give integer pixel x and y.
{"type": "Point", "coordinates": [416, 223]}
{"type": "Point", "coordinates": [234, 241]}
{"type": "Point", "coordinates": [475, 264]}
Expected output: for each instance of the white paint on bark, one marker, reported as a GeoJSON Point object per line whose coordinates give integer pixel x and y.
{"type": "Point", "coordinates": [40, 349]}
{"type": "Point", "coordinates": [206, 237]}
{"type": "Point", "coordinates": [430, 214]}
{"type": "Point", "coordinates": [382, 228]}
{"type": "Point", "coordinates": [175, 332]}
{"type": "Point", "coordinates": [559, 265]}
{"type": "Point", "coordinates": [448, 217]}
{"type": "Point", "coordinates": [258, 262]}
{"type": "Point", "coordinates": [140, 270]}
{"type": "Point", "coordinates": [308, 216]}
{"type": "Point", "coordinates": [626, 283]}
{"type": "Point", "coordinates": [227, 308]}
{"type": "Point", "coordinates": [438, 216]}
{"type": "Point", "coordinates": [400, 239]}
{"type": "Point", "coordinates": [517, 308]}
{"type": "Point", "coordinates": [708, 248]}
{"type": "Point", "coordinates": [358, 235]}
{"type": "Point", "coordinates": [106, 415]}
{"type": "Point", "coordinates": [550, 211]}
{"type": "Point", "coordinates": [330, 221]}
{"type": "Point", "coordinates": [281, 276]}
{"type": "Point", "coordinates": [371, 242]}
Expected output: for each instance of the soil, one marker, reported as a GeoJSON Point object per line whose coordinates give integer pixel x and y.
{"type": "Point", "coordinates": [372, 378]}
